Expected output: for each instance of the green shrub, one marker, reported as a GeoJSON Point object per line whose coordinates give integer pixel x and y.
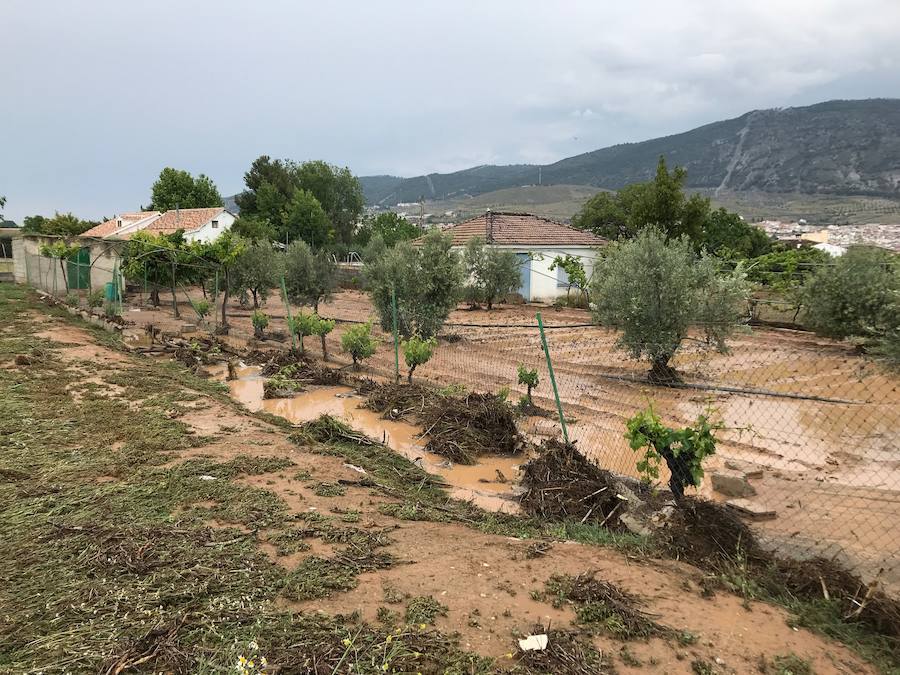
{"type": "Point", "coordinates": [529, 378]}
{"type": "Point", "coordinates": [260, 322]}
{"type": "Point", "coordinates": [303, 324]}
{"type": "Point", "coordinates": [322, 328]}
{"type": "Point", "coordinates": [95, 298]}
{"type": "Point", "coordinates": [494, 272]}
{"type": "Point", "coordinates": [359, 343]}
{"type": "Point", "coordinates": [72, 300]}
{"type": "Point", "coordinates": [201, 307]}
{"type": "Point", "coordinates": [417, 352]}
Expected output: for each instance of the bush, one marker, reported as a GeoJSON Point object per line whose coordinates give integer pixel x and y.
{"type": "Point", "coordinates": [303, 324]}
{"type": "Point", "coordinates": [856, 295]}
{"type": "Point", "coordinates": [417, 352]}
{"type": "Point", "coordinates": [493, 273]}
{"type": "Point", "coordinates": [257, 271]}
{"type": "Point", "coordinates": [359, 343]}
{"type": "Point", "coordinates": [309, 277]}
{"type": "Point", "coordinates": [260, 321]}
{"type": "Point", "coordinates": [95, 298]}
{"type": "Point", "coordinates": [322, 328]}
{"type": "Point", "coordinates": [427, 280]}
{"type": "Point", "coordinates": [201, 307]}
{"type": "Point", "coordinates": [528, 378]}
{"type": "Point", "coordinates": [654, 290]}
{"type": "Point", "coordinates": [72, 300]}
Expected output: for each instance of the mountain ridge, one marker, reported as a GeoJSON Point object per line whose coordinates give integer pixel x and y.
{"type": "Point", "coordinates": [843, 147]}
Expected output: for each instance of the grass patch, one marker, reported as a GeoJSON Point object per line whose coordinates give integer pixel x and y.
{"type": "Point", "coordinates": [423, 610]}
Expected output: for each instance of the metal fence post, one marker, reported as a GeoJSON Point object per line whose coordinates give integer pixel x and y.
{"type": "Point", "coordinates": [287, 309]}
{"type": "Point", "coordinates": [396, 337]}
{"type": "Point", "coordinates": [562, 419]}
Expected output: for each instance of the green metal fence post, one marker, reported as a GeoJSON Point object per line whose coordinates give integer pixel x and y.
{"type": "Point", "coordinates": [562, 419]}
{"type": "Point", "coordinates": [396, 337]}
{"type": "Point", "coordinates": [216, 297]}
{"type": "Point", "coordinates": [287, 309]}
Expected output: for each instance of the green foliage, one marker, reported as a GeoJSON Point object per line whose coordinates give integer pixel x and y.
{"type": "Point", "coordinates": [660, 203]}
{"type": "Point", "coordinates": [62, 252]}
{"type": "Point", "coordinates": [201, 307]}
{"type": "Point", "coordinates": [260, 321]}
{"type": "Point", "coordinates": [162, 260]}
{"type": "Point", "coordinates": [726, 234]}
{"type": "Point", "coordinates": [374, 249]}
{"type": "Point", "coordinates": [271, 188]}
{"type": "Point", "coordinates": [392, 227]}
{"type": "Point", "coordinates": [654, 290]}
{"type": "Point", "coordinates": [687, 447]}
{"type": "Point", "coordinates": [303, 324]}
{"type": "Point", "coordinates": [95, 298]}
{"type": "Point", "coordinates": [257, 270]}
{"type": "Point", "coordinates": [61, 224]}
{"type": "Point", "coordinates": [304, 218]}
{"type": "Point", "coordinates": [322, 328]}
{"type": "Point", "coordinates": [254, 229]}
{"type": "Point", "coordinates": [493, 273]}
{"type": "Point", "coordinates": [417, 352]}
{"type": "Point", "coordinates": [856, 295]}
{"type": "Point", "coordinates": [785, 270]}
{"type": "Point", "coordinates": [179, 189]}
{"type": "Point", "coordinates": [72, 300]}
{"type": "Point", "coordinates": [309, 277]}
{"type": "Point", "coordinates": [427, 280]}
{"type": "Point", "coordinates": [575, 271]}
{"type": "Point", "coordinates": [424, 609]}
{"type": "Point", "coordinates": [358, 342]}
{"type": "Point", "coordinates": [529, 378]}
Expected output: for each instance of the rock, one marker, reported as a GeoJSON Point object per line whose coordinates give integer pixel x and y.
{"type": "Point", "coordinates": [748, 469]}
{"type": "Point", "coordinates": [22, 360]}
{"type": "Point", "coordinates": [732, 484]}
{"type": "Point", "coordinates": [188, 328]}
{"type": "Point", "coordinates": [751, 510]}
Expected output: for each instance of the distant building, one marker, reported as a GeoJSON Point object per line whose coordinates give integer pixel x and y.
{"type": "Point", "coordinates": [536, 242]}
{"type": "Point", "coordinates": [198, 224]}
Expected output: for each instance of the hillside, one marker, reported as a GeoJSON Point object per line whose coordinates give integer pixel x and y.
{"type": "Point", "coordinates": [836, 147]}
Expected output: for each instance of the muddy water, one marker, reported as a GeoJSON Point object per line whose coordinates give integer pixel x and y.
{"type": "Point", "coordinates": [489, 484]}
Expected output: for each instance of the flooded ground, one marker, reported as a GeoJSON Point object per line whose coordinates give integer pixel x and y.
{"type": "Point", "coordinates": [490, 483]}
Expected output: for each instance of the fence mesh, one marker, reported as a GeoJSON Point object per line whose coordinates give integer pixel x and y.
{"type": "Point", "coordinates": [811, 426]}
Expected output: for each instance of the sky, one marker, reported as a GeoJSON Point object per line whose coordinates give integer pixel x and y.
{"type": "Point", "coordinates": [99, 96]}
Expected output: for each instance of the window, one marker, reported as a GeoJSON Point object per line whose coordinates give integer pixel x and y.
{"type": "Point", "coordinates": [562, 277]}
{"type": "Point", "coordinates": [215, 224]}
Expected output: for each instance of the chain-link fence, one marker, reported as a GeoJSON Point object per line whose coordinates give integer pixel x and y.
{"type": "Point", "coordinates": [809, 452]}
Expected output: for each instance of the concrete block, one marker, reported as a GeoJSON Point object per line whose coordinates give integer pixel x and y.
{"type": "Point", "coordinates": [751, 510]}
{"type": "Point", "coordinates": [732, 484]}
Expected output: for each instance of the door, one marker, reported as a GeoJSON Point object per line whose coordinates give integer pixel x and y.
{"type": "Point", "coordinates": [524, 275]}
{"type": "Point", "coordinates": [79, 270]}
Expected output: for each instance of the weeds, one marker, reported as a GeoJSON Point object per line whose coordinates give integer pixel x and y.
{"type": "Point", "coordinates": [423, 610]}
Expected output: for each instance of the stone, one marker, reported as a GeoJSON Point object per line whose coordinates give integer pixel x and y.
{"type": "Point", "coordinates": [748, 469]}
{"type": "Point", "coordinates": [188, 328]}
{"type": "Point", "coordinates": [732, 484]}
{"type": "Point", "coordinates": [750, 509]}
{"type": "Point", "coordinates": [22, 360]}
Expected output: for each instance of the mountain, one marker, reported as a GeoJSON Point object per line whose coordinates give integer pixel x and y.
{"type": "Point", "coordinates": [836, 147]}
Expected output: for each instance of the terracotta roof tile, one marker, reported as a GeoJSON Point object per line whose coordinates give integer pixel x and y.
{"type": "Point", "coordinates": [183, 219]}
{"type": "Point", "coordinates": [520, 229]}
{"type": "Point", "coordinates": [109, 227]}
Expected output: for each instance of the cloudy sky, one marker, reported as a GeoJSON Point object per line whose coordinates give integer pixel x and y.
{"type": "Point", "coordinates": [98, 96]}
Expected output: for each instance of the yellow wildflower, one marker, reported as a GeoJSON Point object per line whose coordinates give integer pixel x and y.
{"type": "Point", "coordinates": [423, 626]}
{"type": "Point", "coordinates": [346, 642]}
{"type": "Point", "coordinates": [384, 667]}
{"type": "Point", "coordinates": [389, 639]}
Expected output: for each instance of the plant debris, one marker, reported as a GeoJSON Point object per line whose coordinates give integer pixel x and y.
{"type": "Point", "coordinates": [459, 427]}
{"type": "Point", "coordinates": [567, 653]}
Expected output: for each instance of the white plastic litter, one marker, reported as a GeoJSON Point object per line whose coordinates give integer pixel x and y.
{"type": "Point", "coordinates": [207, 477]}
{"type": "Point", "coordinates": [534, 643]}
{"type": "Point", "coordinates": [357, 469]}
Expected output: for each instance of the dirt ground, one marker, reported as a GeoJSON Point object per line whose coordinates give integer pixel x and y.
{"type": "Point", "coordinates": [487, 583]}
{"type": "Point", "coordinates": [827, 434]}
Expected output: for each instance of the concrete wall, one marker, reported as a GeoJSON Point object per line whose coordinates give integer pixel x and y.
{"type": "Point", "coordinates": [45, 273]}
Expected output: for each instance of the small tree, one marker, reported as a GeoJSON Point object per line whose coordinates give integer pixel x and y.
{"type": "Point", "coordinates": [417, 352]}
{"type": "Point", "coordinates": [257, 270]}
{"type": "Point", "coordinates": [260, 321]}
{"type": "Point", "coordinates": [492, 271]}
{"type": "Point", "coordinates": [62, 252]}
{"type": "Point", "coordinates": [654, 290]}
{"type": "Point", "coordinates": [683, 450]}
{"type": "Point", "coordinates": [575, 272]}
{"type": "Point", "coordinates": [225, 251]}
{"type": "Point", "coordinates": [303, 324]}
{"type": "Point", "coordinates": [201, 308]}
{"type": "Point", "coordinates": [529, 378]}
{"type": "Point", "coordinates": [427, 280]}
{"type": "Point", "coordinates": [161, 260]}
{"type": "Point", "coordinates": [309, 277]}
{"type": "Point", "coordinates": [322, 328]}
{"type": "Point", "coordinates": [359, 343]}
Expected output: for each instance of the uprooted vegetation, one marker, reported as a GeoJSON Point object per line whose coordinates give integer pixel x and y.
{"type": "Point", "coordinates": [288, 373]}
{"type": "Point", "coordinates": [459, 427]}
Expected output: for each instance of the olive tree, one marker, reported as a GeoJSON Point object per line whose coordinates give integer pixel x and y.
{"type": "Point", "coordinates": [493, 272]}
{"type": "Point", "coordinates": [654, 291]}
{"type": "Point", "coordinates": [427, 280]}
{"type": "Point", "coordinates": [309, 277]}
{"type": "Point", "coordinates": [257, 271]}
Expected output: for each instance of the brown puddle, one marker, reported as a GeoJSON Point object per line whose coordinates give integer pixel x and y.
{"type": "Point", "coordinates": [490, 483]}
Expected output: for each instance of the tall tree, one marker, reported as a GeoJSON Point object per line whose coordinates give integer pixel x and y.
{"type": "Point", "coordinates": [61, 224]}
{"type": "Point", "coordinates": [179, 189]}
{"type": "Point", "coordinates": [304, 218]}
{"type": "Point", "coordinates": [338, 191]}
{"type": "Point", "coordinates": [391, 226]}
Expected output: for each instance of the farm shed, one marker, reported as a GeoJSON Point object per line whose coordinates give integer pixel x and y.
{"type": "Point", "coordinates": [536, 242]}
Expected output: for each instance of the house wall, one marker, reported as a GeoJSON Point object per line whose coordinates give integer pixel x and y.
{"type": "Point", "coordinates": [45, 273]}
{"type": "Point", "coordinates": [207, 232]}
{"type": "Point", "coordinates": [544, 285]}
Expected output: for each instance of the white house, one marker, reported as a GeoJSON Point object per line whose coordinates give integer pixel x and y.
{"type": "Point", "coordinates": [198, 224]}
{"type": "Point", "coordinates": [536, 242]}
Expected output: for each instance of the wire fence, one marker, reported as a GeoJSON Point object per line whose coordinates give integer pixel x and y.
{"type": "Point", "coordinates": [810, 449]}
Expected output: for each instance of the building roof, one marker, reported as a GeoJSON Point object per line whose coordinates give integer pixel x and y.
{"type": "Point", "coordinates": [110, 227]}
{"type": "Point", "coordinates": [520, 229]}
{"type": "Point", "coordinates": [183, 219]}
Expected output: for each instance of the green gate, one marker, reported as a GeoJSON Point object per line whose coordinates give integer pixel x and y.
{"type": "Point", "coordinates": [79, 270]}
